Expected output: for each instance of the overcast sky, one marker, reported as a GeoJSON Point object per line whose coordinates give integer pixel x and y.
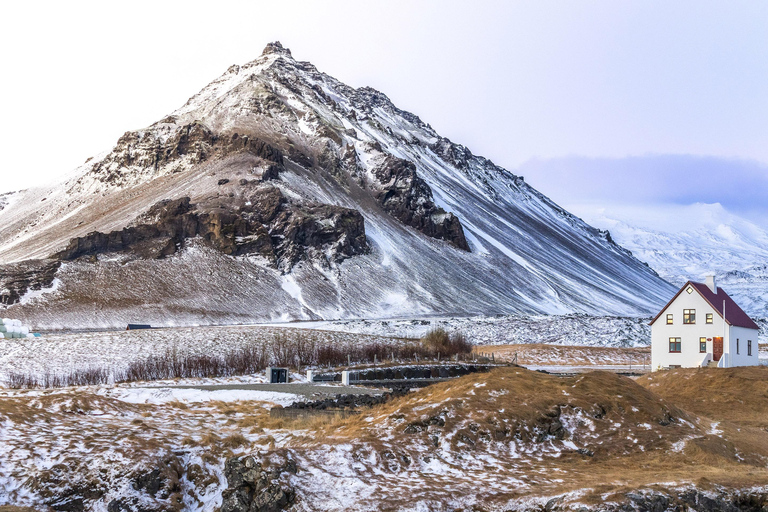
{"type": "Point", "coordinates": [522, 83]}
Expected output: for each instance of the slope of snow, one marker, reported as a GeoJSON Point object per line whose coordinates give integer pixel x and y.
{"type": "Point", "coordinates": [688, 242]}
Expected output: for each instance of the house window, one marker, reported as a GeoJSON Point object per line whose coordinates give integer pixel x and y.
{"type": "Point", "coordinates": [749, 347]}
{"type": "Point", "coordinates": [689, 290]}
{"type": "Point", "coordinates": [669, 319]}
{"type": "Point", "coordinates": [674, 344]}
{"type": "Point", "coordinates": [689, 316]}
{"type": "Point", "coordinates": [702, 345]}
{"type": "Point", "coordinates": [709, 318]}
{"type": "Point", "coordinates": [737, 345]}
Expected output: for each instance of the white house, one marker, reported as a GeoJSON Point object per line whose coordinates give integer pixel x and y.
{"type": "Point", "coordinates": [702, 325]}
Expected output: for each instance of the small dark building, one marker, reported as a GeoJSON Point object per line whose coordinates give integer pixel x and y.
{"type": "Point", "coordinates": [134, 327]}
{"type": "Point", "coordinates": [277, 375]}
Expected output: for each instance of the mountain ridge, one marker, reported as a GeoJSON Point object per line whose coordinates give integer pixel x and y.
{"type": "Point", "coordinates": [439, 223]}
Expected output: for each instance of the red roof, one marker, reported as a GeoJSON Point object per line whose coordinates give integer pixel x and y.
{"type": "Point", "coordinates": [734, 315]}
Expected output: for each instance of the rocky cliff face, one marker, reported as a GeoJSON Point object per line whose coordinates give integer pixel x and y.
{"type": "Point", "coordinates": [350, 206]}
{"type": "Point", "coordinates": [263, 222]}
{"type": "Point", "coordinates": [16, 279]}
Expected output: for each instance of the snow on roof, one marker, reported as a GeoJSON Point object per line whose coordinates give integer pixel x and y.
{"type": "Point", "coordinates": [734, 315]}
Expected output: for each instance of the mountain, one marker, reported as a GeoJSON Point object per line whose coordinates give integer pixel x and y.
{"type": "Point", "coordinates": [685, 242]}
{"type": "Point", "coordinates": [279, 193]}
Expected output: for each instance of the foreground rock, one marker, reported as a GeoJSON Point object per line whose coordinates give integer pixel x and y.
{"type": "Point", "coordinates": [253, 489]}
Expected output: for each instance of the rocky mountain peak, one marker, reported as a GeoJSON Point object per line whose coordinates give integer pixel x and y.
{"type": "Point", "coordinates": [280, 185]}
{"type": "Point", "coordinates": [277, 48]}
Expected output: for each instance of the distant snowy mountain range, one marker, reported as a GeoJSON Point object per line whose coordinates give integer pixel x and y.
{"type": "Point", "coordinates": [279, 193]}
{"type": "Point", "coordinates": [683, 242]}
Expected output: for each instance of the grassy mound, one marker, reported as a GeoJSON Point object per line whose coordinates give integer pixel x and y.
{"type": "Point", "coordinates": [513, 434]}
{"type": "Point", "coordinates": [738, 395]}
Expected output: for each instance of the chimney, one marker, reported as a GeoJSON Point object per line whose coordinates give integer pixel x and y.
{"type": "Point", "coordinates": [711, 283]}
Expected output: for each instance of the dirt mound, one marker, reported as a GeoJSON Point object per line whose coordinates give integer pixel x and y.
{"type": "Point", "coordinates": [597, 414]}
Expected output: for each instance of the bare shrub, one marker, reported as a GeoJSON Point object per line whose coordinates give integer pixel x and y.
{"type": "Point", "coordinates": [298, 350]}
{"type": "Point", "coordinates": [18, 380]}
{"type": "Point", "coordinates": [438, 341]}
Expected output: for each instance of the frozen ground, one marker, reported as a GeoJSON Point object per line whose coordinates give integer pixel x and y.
{"type": "Point", "coordinates": [606, 331]}
{"type": "Point", "coordinates": [575, 329]}
{"type": "Point", "coordinates": [115, 350]}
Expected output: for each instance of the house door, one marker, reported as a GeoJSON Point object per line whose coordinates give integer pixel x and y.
{"type": "Point", "coordinates": [717, 348]}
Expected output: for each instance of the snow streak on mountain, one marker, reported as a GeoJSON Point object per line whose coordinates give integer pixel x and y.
{"type": "Point", "coordinates": [278, 192]}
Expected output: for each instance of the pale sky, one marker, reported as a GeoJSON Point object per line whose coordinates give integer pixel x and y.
{"type": "Point", "coordinates": [518, 82]}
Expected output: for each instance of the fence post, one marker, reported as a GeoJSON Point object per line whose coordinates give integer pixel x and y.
{"type": "Point", "coordinates": [374, 359]}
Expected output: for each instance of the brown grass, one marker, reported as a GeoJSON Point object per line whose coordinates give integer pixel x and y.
{"type": "Point", "coordinates": [235, 441]}
{"type": "Point", "coordinates": [471, 408]}
{"type": "Point", "coordinates": [737, 395]}
{"type": "Point", "coordinates": [543, 354]}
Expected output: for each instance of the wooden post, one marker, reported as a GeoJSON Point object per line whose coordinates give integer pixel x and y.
{"type": "Point", "coordinates": [349, 360]}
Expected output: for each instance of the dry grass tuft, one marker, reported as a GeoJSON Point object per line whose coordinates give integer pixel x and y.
{"type": "Point", "coordinates": [235, 441]}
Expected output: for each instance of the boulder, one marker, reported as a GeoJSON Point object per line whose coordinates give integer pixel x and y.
{"type": "Point", "coordinates": [252, 489]}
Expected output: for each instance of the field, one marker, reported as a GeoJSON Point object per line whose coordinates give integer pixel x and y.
{"type": "Point", "coordinates": [511, 439]}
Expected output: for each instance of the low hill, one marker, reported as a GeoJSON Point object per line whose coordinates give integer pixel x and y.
{"type": "Point", "coordinates": [506, 439]}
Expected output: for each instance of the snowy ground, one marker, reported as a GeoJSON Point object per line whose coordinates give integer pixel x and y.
{"type": "Point", "coordinates": [55, 443]}
{"type": "Point", "coordinates": [607, 331]}
{"type": "Point", "coordinates": [115, 350]}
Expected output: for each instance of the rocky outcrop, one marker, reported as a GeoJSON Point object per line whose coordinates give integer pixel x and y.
{"type": "Point", "coordinates": [166, 148]}
{"type": "Point", "coordinates": [262, 222]}
{"type": "Point", "coordinates": [16, 279]}
{"type": "Point", "coordinates": [253, 489]}
{"type": "Point", "coordinates": [408, 198]}
{"type": "Point", "coordinates": [691, 499]}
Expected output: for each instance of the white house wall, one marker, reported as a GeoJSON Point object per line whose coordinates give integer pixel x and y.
{"type": "Point", "coordinates": [743, 335]}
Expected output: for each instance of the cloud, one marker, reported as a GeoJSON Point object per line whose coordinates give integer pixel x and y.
{"type": "Point", "coordinates": [738, 185]}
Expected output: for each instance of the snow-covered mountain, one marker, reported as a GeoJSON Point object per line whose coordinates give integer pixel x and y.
{"type": "Point", "coordinates": [685, 242]}
{"type": "Point", "coordinates": [278, 192]}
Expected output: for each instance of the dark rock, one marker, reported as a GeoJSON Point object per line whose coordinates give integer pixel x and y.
{"type": "Point", "coordinates": [262, 222]}
{"type": "Point", "coordinates": [550, 426]}
{"type": "Point", "coordinates": [251, 489]}
{"type": "Point", "coordinates": [408, 198]}
{"type": "Point", "coordinates": [151, 482]}
{"type": "Point", "coordinates": [666, 419]}
{"type": "Point", "coordinates": [271, 173]}
{"type": "Point", "coordinates": [69, 505]}
{"type": "Point", "coordinates": [276, 47]}
{"type": "Point", "coordinates": [16, 279]}
{"type": "Point", "coordinates": [223, 181]}
{"type": "Point", "coordinates": [149, 153]}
